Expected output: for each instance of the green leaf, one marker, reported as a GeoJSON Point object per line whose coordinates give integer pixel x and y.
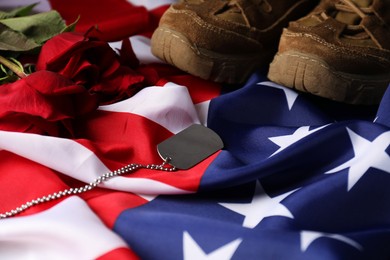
{"type": "Point", "coordinates": [39, 27]}
{"type": "Point", "coordinates": [3, 69]}
{"type": "Point", "coordinates": [11, 40]}
{"type": "Point", "coordinates": [29, 68]}
{"type": "Point", "coordinates": [6, 75]}
{"type": "Point", "coordinates": [17, 63]}
{"type": "Point", "coordinates": [21, 11]}
{"type": "Point", "coordinates": [20, 32]}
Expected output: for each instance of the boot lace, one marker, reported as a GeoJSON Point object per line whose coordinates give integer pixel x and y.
{"type": "Point", "coordinates": [263, 5]}
{"type": "Point", "coordinates": [352, 30]}
{"type": "Point", "coordinates": [232, 7]}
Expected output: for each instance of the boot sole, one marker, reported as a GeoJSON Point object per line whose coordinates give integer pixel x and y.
{"type": "Point", "coordinates": [313, 75]}
{"type": "Point", "coordinates": [174, 48]}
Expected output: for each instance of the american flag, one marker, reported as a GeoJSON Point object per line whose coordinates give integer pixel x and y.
{"type": "Point", "coordinates": [298, 178]}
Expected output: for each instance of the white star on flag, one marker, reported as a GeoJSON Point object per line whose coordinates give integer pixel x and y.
{"type": "Point", "coordinates": [367, 155]}
{"type": "Point", "coordinates": [260, 207]}
{"type": "Point", "coordinates": [284, 141]}
{"type": "Point", "coordinates": [308, 237]}
{"type": "Point", "coordinates": [193, 251]}
{"type": "Point", "coordinates": [291, 95]}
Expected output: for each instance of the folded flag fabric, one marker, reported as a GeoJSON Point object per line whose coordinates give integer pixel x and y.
{"type": "Point", "coordinates": [298, 178]}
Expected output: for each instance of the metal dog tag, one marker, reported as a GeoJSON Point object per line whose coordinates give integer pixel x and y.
{"type": "Point", "coordinates": [190, 146]}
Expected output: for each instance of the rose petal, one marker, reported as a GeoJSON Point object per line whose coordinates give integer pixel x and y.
{"type": "Point", "coordinates": [41, 101]}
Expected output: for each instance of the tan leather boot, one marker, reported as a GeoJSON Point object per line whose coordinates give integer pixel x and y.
{"type": "Point", "coordinates": [340, 51]}
{"type": "Point", "coordinates": [224, 40]}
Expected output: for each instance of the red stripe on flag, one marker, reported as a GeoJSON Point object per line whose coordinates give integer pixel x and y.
{"type": "Point", "coordinates": [200, 90]}
{"type": "Point", "coordinates": [108, 205]}
{"type": "Point", "coordinates": [119, 254]}
{"type": "Point", "coordinates": [120, 138]}
{"type": "Point", "coordinates": [22, 180]}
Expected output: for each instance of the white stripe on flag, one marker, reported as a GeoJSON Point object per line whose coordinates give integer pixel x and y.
{"type": "Point", "coordinates": [60, 154]}
{"type": "Point", "coordinates": [75, 160]}
{"type": "Point", "coordinates": [143, 50]}
{"type": "Point", "coordinates": [69, 230]}
{"type": "Point", "coordinates": [203, 111]}
{"type": "Point", "coordinates": [169, 106]}
{"type": "Point", "coordinates": [151, 4]}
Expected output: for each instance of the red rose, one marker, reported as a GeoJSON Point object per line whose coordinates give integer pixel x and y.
{"type": "Point", "coordinates": [44, 103]}
{"type": "Point", "coordinates": [90, 63]}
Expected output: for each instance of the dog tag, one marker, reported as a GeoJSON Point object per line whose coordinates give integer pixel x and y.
{"type": "Point", "coordinates": [190, 146]}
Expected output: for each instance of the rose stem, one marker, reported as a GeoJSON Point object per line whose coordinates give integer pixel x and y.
{"type": "Point", "coordinates": [13, 67]}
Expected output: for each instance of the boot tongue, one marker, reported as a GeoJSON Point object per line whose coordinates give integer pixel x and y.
{"type": "Point", "coordinates": [231, 13]}
{"type": "Point", "coordinates": [352, 18]}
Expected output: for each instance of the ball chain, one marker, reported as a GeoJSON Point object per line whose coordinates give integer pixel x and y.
{"type": "Point", "coordinates": [73, 191]}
